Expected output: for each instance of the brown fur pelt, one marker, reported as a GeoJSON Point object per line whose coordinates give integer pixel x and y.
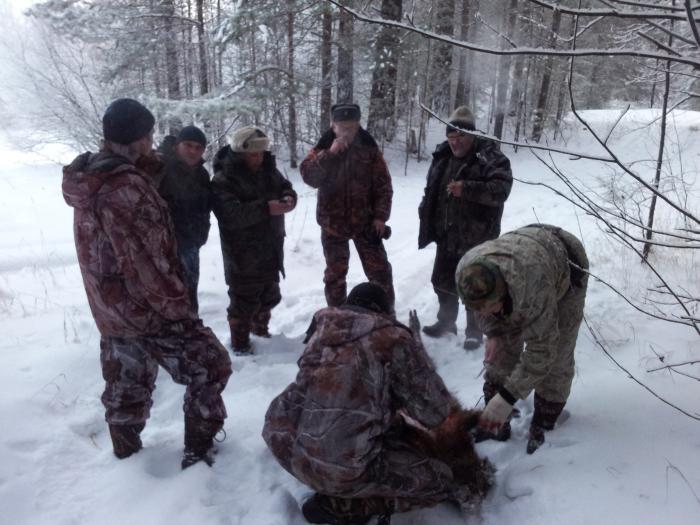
{"type": "Point", "coordinates": [452, 444]}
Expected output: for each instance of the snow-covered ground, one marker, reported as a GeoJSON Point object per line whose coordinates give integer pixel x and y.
{"type": "Point", "coordinates": [621, 457]}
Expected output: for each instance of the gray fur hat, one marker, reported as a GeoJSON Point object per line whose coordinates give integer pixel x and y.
{"type": "Point", "coordinates": [250, 139]}
{"type": "Point", "coordinates": [463, 118]}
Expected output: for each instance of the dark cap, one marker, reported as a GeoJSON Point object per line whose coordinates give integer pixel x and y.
{"type": "Point", "coordinates": [370, 296]}
{"type": "Point", "coordinates": [192, 133]}
{"type": "Point", "coordinates": [126, 120]}
{"type": "Point", "coordinates": [480, 283]}
{"type": "Point", "coordinates": [345, 112]}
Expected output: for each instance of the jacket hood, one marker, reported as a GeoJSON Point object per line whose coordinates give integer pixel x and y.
{"type": "Point", "coordinates": [84, 177]}
{"type": "Point", "coordinates": [340, 326]}
{"type": "Point", "coordinates": [227, 160]}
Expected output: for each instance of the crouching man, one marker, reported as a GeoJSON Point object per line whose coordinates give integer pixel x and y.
{"type": "Point", "coordinates": [528, 288]}
{"type": "Point", "coordinates": [135, 287]}
{"type": "Point", "coordinates": [368, 423]}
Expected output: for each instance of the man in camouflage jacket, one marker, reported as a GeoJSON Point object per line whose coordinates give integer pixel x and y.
{"type": "Point", "coordinates": [368, 423]}
{"type": "Point", "coordinates": [134, 283]}
{"type": "Point", "coordinates": [529, 288]}
{"type": "Point", "coordinates": [354, 202]}
{"type": "Point", "coordinates": [250, 199]}
{"type": "Point", "coordinates": [185, 186]}
{"type": "Point", "coordinates": [468, 183]}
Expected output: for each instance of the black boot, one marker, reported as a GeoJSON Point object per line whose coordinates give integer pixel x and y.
{"type": "Point", "coordinates": [544, 418]}
{"type": "Point", "coordinates": [260, 324]}
{"type": "Point", "coordinates": [199, 440]}
{"type": "Point", "coordinates": [240, 336]}
{"type": "Point", "coordinates": [320, 508]}
{"type": "Point", "coordinates": [126, 439]}
{"type": "Point", "coordinates": [439, 329]}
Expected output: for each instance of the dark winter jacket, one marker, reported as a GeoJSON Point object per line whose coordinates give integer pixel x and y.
{"type": "Point", "coordinates": [252, 240]}
{"type": "Point", "coordinates": [126, 246]}
{"type": "Point", "coordinates": [187, 190]}
{"type": "Point", "coordinates": [354, 187]}
{"type": "Point", "coordinates": [359, 368]}
{"type": "Point", "coordinates": [475, 216]}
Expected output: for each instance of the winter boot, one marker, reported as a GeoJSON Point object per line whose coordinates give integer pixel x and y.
{"type": "Point", "coordinates": [439, 329]}
{"type": "Point", "coordinates": [259, 324]}
{"type": "Point", "coordinates": [240, 336]}
{"type": "Point", "coordinates": [199, 440]}
{"type": "Point", "coordinates": [320, 508]}
{"type": "Point", "coordinates": [472, 342]}
{"type": "Point", "coordinates": [544, 418]}
{"type": "Point", "coordinates": [126, 439]}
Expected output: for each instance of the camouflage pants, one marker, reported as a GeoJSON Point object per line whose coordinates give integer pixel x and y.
{"type": "Point", "coordinates": [445, 287]}
{"type": "Point", "coordinates": [190, 353]}
{"type": "Point", "coordinates": [556, 385]}
{"type": "Point", "coordinates": [374, 261]}
{"type": "Point", "coordinates": [250, 298]}
{"type": "Point", "coordinates": [402, 478]}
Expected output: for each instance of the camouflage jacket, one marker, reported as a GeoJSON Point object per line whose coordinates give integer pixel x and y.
{"type": "Point", "coordinates": [252, 240]}
{"type": "Point", "coordinates": [126, 246]}
{"type": "Point", "coordinates": [475, 216]}
{"type": "Point", "coordinates": [354, 187]}
{"type": "Point", "coordinates": [534, 263]}
{"type": "Point", "coordinates": [357, 371]}
{"type": "Point", "coordinates": [187, 190]}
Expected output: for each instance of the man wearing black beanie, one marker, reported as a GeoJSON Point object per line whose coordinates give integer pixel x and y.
{"type": "Point", "coordinates": [185, 185]}
{"type": "Point", "coordinates": [134, 283]}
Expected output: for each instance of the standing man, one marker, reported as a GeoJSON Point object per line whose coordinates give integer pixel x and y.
{"type": "Point", "coordinates": [185, 186]}
{"type": "Point", "coordinates": [135, 286]}
{"type": "Point", "coordinates": [529, 289]}
{"type": "Point", "coordinates": [354, 202]}
{"type": "Point", "coordinates": [468, 182]}
{"type": "Point", "coordinates": [250, 199]}
{"type": "Point", "coordinates": [368, 423]}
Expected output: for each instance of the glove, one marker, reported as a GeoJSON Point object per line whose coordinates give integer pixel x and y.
{"type": "Point", "coordinates": [496, 413]}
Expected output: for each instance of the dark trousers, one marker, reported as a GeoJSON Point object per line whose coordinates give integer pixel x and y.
{"type": "Point", "coordinates": [336, 250]}
{"type": "Point", "coordinates": [249, 299]}
{"type": "Point", "coordinates": [443, 281]}
{"type": "Point", "coordinates": [188, 351]}
{"type": "Point", "coordinates": [189, 257]}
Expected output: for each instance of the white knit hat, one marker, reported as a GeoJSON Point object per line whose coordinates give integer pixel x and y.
{"type": "Point", "coordinates": [249, 139]}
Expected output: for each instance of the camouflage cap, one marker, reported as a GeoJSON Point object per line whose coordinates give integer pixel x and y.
{"type": "Point", "coordinates": [480, 283]}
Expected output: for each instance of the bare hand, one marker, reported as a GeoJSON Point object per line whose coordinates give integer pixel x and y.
{"type": "Point", "coordinates": [455, 188]}
{"type": "Point", "coordinates": [379, 227]}
{"type": "Point", "coordinates": [339, 145]}
{"type": "Point", "coordinates": [279, 207]}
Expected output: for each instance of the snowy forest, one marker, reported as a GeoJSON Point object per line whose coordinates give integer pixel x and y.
{"type": "Point", "coordinates": [595, 102]}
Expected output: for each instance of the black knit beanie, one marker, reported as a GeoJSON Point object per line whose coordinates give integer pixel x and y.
{"type": "Point", "coordinates": [126, 120]}
{"type": "Point", "coordinates": [370, 296]}
{"type": "Point", "coordinates": [192, 133]}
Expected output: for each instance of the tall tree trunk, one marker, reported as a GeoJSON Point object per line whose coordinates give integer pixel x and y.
{"type": "Point", "coordinates": [203, 71]}
{"type": "Point", "coordinates": [442, 64]}
{"type": "Point", "coordinates": [660, 156]}
{"type": "Point", "coordinates": [381, 119]}
{"type": "Point", "coordinates": [504, 73]}
{"type": "Point", "coordinates": [326, 68]}
{"type": "Point", "coordinates": [292, 87]}
{"type": "Point", "coordinates": [345, 91]}
{"type": "Point", "coordinates": [171, 58]}
{"type": "Point", "coordinates": [540, 113]}
{"type": "Point", "coordinates": [463, 88]}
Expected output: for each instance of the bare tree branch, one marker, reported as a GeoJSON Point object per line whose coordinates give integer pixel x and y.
{"type": "Point", "coordinates": [534, 51]}
{"type": "Point", "coordinates": [617, 13]}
